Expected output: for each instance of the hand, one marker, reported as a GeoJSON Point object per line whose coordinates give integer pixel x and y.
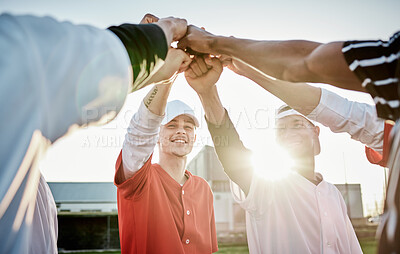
{"type": "Point", "coordinates": [239, 67]}
{"type": "Point", "coordinates": [234, 65]}
{"type": "Point", "coordinates": [197, 39]}
{"type": "Point", "coordinates": [148, 19]}
{"type": "Point", "coordinates": [177, 61]}
{"type": "Point", "coordinates": [174, 28]}
{"type": "Point", "coordinates": [203, 73]}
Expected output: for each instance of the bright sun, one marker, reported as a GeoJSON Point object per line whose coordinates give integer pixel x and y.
{"type": "Point", "coordinates": [273, 165]}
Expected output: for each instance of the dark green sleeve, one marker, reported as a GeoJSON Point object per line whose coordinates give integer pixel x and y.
{"type": "Point", "coordinates": [233, 155]}
{"type": "Point", "coordinates": [146, 45]}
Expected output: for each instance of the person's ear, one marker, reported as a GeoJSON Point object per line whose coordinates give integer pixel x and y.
{"type": "Point", "coordinates": [317, 130]}
{"type": "Point", "coordinates": [317, 145]}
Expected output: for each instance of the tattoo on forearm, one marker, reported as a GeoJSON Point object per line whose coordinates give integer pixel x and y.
{"type": "Point", "coordinates": [151, 97]}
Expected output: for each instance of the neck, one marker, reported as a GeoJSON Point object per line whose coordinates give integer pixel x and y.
{"type": "Point", "coordinates": [305, 166]}
{"type": "Point", "coordinates": [174, 166]}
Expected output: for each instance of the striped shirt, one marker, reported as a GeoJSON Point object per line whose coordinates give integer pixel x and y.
{"type": "Point", "coordinates": [376, 64]}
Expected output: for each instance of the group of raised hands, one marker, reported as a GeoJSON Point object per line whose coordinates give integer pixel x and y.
{"type": "Point", "coordinates": [193, 56]}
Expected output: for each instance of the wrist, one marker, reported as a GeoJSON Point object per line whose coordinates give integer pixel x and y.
{"type": "Point", "coordinates": [168, 29]}
{"type": "Point", "coordinates": [207, 93]}
{"type": "Point", "coordinates": [213, 108]}
{"type": "Point", "coordinates": [167, 83]}
{"type": "Point", "coordinates": [220, 45]}
{"type": "Point", "coordinates": [255, 76]}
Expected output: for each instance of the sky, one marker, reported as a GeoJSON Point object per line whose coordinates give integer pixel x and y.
{"type": "Point", "coordinates": [89, 154]}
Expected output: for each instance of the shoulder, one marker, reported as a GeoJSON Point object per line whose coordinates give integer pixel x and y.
{"type": "Point", "coordinates": [199, 180]}
{"type": "Point", "coordinates": [333, 189]}
{"type": "Point", "coordinates": [200, 184]}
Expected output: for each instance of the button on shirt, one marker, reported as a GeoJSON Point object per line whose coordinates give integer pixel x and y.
{"type": "Point", "coordinates": [293, 215]}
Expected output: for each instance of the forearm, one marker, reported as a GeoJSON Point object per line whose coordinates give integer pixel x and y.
{"type": "Point", "coordinates": [167, 29]}
{"type": "Point", "coordinates": [212, 105]}
{"type": "Point", "coordinates": [234, 157]}
{"type": "Point", "coordinates": [294, 61]}
{"type": "Point", "coordinates": [143, 130]}
{"type": "Point", "coordinates": [156, 99]}
{"type": "Point", "coordinates": [140, 140]}
{"type": "Point", "coordinates": [159, 78]}
{"type": "Point", "coordinates": [300, 96]}
{"type": "Point", "coordinates": [271, 57]}
{"type": "Point", "coordinates": [357, 119]}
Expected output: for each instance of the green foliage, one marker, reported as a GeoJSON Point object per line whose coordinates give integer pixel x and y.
{"type": "Point", "coordinates": [369, 245]}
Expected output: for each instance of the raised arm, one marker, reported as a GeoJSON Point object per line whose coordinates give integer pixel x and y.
{"type": "Point", "coordinates": [75, 74]}
{"type": "Point", "coordinates": [234, 157]}
{"type": "Point", "coordinates": [147, 44]}
{"type": "Point", "coordinates": [296, 61]}
{"type": "Point", "coordinates": [54, 75]}
{"type": "Point", "coordinates": [300, 96]}
{"type": "Point", "coordinates": [142, 134]}
{"type": "Point", "coordinates": [339, 114]}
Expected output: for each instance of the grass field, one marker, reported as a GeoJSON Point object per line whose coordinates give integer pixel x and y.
{"type": "Point", "coordinates": [368, 246]}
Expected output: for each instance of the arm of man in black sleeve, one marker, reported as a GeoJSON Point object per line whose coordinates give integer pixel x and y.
{"type": "Point", "coordinates": [234, 157]}
{"type": "Point", "coordinates": [147, 45]}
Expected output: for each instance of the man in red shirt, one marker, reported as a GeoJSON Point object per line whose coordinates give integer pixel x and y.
{"type": "Point", "coordinates": [163, 208]}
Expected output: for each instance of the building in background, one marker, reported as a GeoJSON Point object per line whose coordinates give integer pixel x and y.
{"type": "Point", "coordinates": [87, 215]}
{"type": "Point", "coordinates": [352, 197]}
{"type": "Point", "coordinates": [84, 196]}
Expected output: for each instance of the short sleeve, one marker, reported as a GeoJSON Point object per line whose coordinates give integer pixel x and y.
{"type": "Point", "coordinates": [135, 185]}
{"type": "Point", "coordinates": [259, 198]}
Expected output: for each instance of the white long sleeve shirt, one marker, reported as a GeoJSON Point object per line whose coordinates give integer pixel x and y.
{"type": "Point", "coordinates": [140, 140]}
{"type": "Point", "coordinates": [293, 215]}
{"type": "Point", "coordinates": [358, 119]}
{"type": "Point", "coordinates": [45, 223]}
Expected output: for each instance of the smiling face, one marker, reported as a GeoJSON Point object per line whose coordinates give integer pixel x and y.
{"type": "Point", "coordinates": [177, 136]}
{"type": "Point", "coordinates": [298, 136]}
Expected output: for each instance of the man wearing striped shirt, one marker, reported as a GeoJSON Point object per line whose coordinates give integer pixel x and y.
{"type": "Point", "coordinates": [367, 66]}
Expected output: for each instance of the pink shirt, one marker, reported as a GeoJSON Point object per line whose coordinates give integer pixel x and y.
{"type": "Point", "coordinates": [293, 215]}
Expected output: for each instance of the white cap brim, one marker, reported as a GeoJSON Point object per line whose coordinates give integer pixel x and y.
{"type": "Point", "coordinates": [291, 112]}
{"type": "Point", "coordinates": [176, 108]}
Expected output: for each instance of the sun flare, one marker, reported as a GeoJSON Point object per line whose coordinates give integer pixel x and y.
{"type": "Point", "coordinates": [273, 166]}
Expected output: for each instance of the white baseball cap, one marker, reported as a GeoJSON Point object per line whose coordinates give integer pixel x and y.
{"type": "Point", "coordinates": [176, 108]}
{"type": "Point", "coordinates": [286, 110]}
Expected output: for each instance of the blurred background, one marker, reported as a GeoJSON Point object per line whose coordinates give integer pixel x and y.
{"type": "Point", "coordinates": [84, 160]}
